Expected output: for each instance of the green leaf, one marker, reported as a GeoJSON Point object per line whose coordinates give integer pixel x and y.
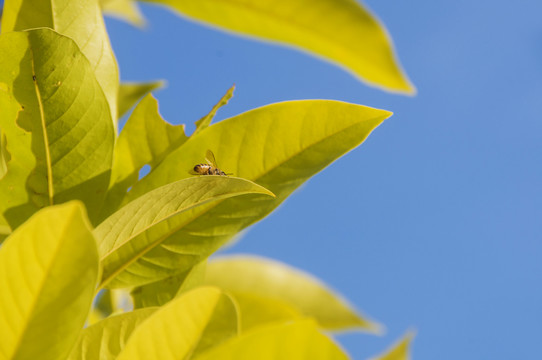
{"type": "Point", "coordinates": [278, 146]}
{"type": "Point", "coordinates": [269, 279]}
{"type": "Point", "coordinates": [48, 273]}
{"type": "Point", "coordinates": [13, 157]}
{"type": "Point", "coordinates": [106, 339]}
{"type": "Point", "coordinates": [205, 121]}
{"type": "Point", "coordinates": [184, 327]}
{"type": "Point", "coordinates": [141, 226]}
{"type": "Point", "coordinates": [160, 292]}
{"type": "Point", "coordinates": [340, 31]}
{"type": "Point", "coordinates": [130, 93]}
{"type": "Point", "coordinates": [145, 139]}
{"type": "Point", "coordinates": [5, 156]}
{"type": "Point", "coordinates": [81, 21]}
{"type": "Point", "coordinates": [10, 110]}
{"type": "Point", "coordinates": [9, 163]}
{"type": "Point", "coordinates": [62, 144]}
{"type": "Point", "coordinates": [255, 310]}
{"type": "Point", "coordinates": [5, 230]}
{"type": "Point", "coordinates": [299, 340]}
{"type": "Point", "coordinates": [126, 10]}
{"type": "Point", "coordinates": [399, 351]}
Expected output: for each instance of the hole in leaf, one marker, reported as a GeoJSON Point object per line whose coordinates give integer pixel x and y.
{"type": "Point", "coordinates": [144, 171]}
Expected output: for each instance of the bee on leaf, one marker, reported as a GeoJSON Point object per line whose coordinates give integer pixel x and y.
{"type": "Point", "coordinates": [211, 168]}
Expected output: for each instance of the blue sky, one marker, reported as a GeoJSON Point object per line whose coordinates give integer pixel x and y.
{"type": "Point", "coordinates": [433, 224]}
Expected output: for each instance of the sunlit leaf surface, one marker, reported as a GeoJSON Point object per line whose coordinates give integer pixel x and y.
{"type": "Point", "coordinates": [48, 274]}
{"type": "Point", "coordinates": [257, 310]}
{"type": "Point", "coordinates": [64, 137]}
{"type": "Point", "coordinates": [399, 351]}
{"type": "Point", "coordinates": [341, 31]}
{"type": "Point", "coordinates": [205, 121]}
{"type": "Point", "coordinates": [279, 146]}
{"type": "Point", "coordinates": [131, 92]}
{"type": "Point", "coordinates": [81, 21]}
{"type": "Point", "coordinates": [105, 339]}
{"type": "Point", "coordinates": [142, 226]}
{"type": "Point", "coordinates": [14, 158]}
{"type": "Point", "coordinates": [126, 10]}
{"type": "Point", "coordinates": [160, 292]}
{"type": "Point", "coordinates": [192, 323]}
{"type": "Point", "coordinates": [268, 279]}
{"type": "Point", "coordinates": [299, 340]}
{"type": "Point", "coordinates": [145, 139]}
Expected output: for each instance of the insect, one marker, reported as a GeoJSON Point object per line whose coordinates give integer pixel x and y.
{"type": "Point", "coordinates": [208, 169]}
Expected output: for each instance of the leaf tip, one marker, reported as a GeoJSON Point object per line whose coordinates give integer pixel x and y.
{"type": "Point", "coordinates": [270, 194]}
{"type": "Point", "coordinates": [408, 89]}
{"type": "Point", "coordinates": [400, 349]}
{"type": "Point", "coordinates": [375, 328]}
{"type": "Point", "coordinates": [266, 191]}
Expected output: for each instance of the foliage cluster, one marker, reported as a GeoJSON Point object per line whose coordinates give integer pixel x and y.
{"type": "Point", "coordinates": [81, 230]}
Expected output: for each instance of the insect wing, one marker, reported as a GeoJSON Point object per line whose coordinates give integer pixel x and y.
{"type": "Point", "coordinates": [210, 157]}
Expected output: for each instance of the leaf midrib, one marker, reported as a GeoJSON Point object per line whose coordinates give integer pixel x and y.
{"type": "Point", "coordinates": [48, 162]}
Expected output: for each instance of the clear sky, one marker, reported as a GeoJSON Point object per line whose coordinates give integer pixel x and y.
{"type": "Point", "coordinates": [434, 223]}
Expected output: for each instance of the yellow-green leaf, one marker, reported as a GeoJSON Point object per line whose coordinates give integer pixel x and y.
{"type": "Point", "coordinates": [160, 292]}
{"type": "Point", "coordinates": [341, 31]}
{"type": "Point", "coordinates": [255, 310]}
{"type": "Point", "coordinates": [13, 157]}
{"type": "Point", "coordinates": [81, 21]}
{"type": "Point", "coordinates": [278, 146]}
{"type": "Point", "coordinates": [269, 279]}
{"type": "Point", "coordinates": [299, 340]}
{"type": "Point", "coordinates": [5, 156]}
{"type": "Point", "coordinates": [62, 144]}
{"type": "Point", "coordinates": [126, 10]}
{"type": "Point", "coordinates": [142, 226]}
{"type": "Point", "coordinates": [145, 139]}
{"type": "Point", "coordinates": [205, 121]}
{"type": "Point", "coordinates": [130, 93]}
{"type": "Point", "coordinates": [48, 274]}
{"type": "Point", "coordinates": [184, 327]}
{"type": "Point", "coordinates": [106, 339]}
{"type": "Point", "coordinates": [399, 351]}
{"type": "Point", "coordinates": [5, 230]}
